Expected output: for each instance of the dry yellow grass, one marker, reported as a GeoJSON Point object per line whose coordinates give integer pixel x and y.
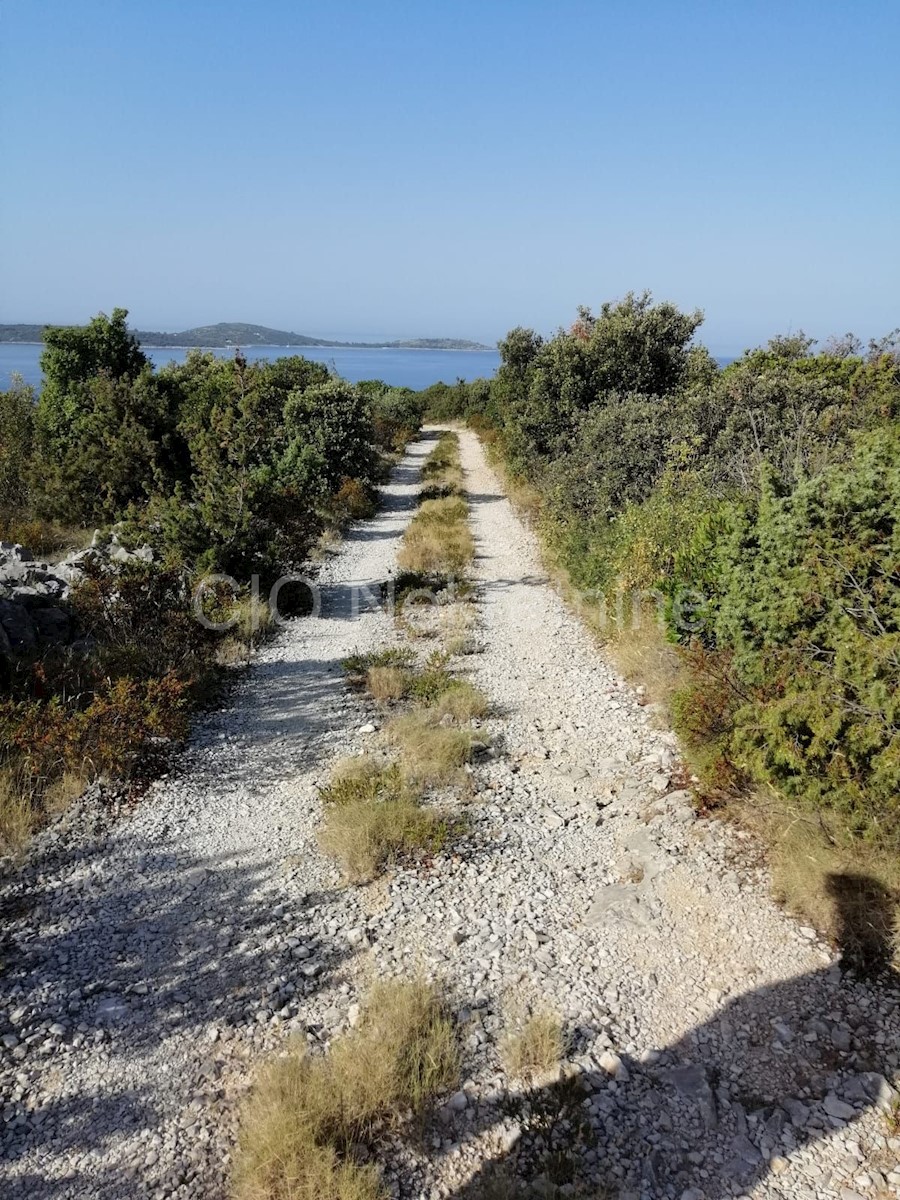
{"type": "Point", "coordinates": [457, 623]}
{"type": "Point", "coordinates": [252, 626]}
{"type": "Point", "coordinates": [461, 701]}
{"type": "Point", "coordinates": [535, 1048]}
{"type": "Point", "coordinates": [366, 837]}
{"type": "Point", "coordinates": [60, 793]}
{"type": "Point", "coordinates": [442, 471]}
{"type": "Point", "coordinates": [849, 891]}
{"type": "Point", "coordinates": [430, 753]}
{"type": "Point", "coordinates": [23, 807]}
{"type": "Point", "coordinates": [387, 683]}
{"type": "Point", "coordinates": [304, 1115]}
{"type": "Point", "coordinates": [17, 815]}
{"type": "Point", "coordinates": [45, 539]}
{"type": "Point", "coordinates": [373, 816]}
{"type": "Point", "coordinates": [438, 540]}
{"type": "Point", "coordinates": [644, 657]}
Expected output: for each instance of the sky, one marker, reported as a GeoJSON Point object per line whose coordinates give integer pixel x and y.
{"type": "Point", "coordinates": [379, 169]}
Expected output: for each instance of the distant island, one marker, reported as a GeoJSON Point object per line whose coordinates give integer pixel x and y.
{"type": "Point", "coordinates": [238, 334]}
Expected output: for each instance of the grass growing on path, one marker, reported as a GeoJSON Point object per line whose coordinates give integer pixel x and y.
{"type": "Point", "coordinates": [305, 1115]}
{"type": "Point", "coordinates": [431, 754]}
{"type": "Point", "coordinates": [373, 816]}
{"type": "Point", "coordinates": [535, 1049]}
{"type": "Point", "coordinates": [442, 473]}
{"type": "Point", "coordinates": [438, 540]}
{"type": "Point", "coordinates": [373, 810]}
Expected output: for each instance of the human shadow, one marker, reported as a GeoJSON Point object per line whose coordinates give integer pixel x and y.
{"type": "Point", "coordinates": [716, 1112]}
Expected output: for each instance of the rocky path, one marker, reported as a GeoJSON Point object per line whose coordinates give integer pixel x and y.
{"type": "Point", "coordinates": [714, 1047]}
{"type": "Point", "coordinates": [718, 1049]}
{"type": "Point", "coordinates": [148, 960]}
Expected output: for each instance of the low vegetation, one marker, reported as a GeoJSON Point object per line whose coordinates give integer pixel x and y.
{"type": "Point", "coordinates": [431, 754]}
{"type": "Point", "coordinates": [438, 541]}
{"type": "Point", "coordinates": [307, 1117]}
{"type": "Point", "coordinates": [442, 473]}
{"type": "Point", "coordinates": [750, 512]}
{"type": "Point", "coordinates": [375, 812]}
{"type": "Point", "coordinates": [373, 816]}
{"type": "Point", "coordinates": [387, 683]}
{"type": "Point", "coordinates": [357, 666]}
{"type": "Point", "coordinates": [534, 1049]}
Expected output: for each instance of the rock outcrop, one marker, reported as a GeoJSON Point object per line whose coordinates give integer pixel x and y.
{"type": "Point", "coordinates": [34, 595]}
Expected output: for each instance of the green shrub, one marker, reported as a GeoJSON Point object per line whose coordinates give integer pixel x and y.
{"type": "Point", "coordinates": [758, 505]}
{"type": "Point", "coordinates": [390, 656]}
{"type": "Point", "coordinates": [396, 414]}
{"type": "Point", "coordinates": [16, 444]}
{"type": "Point", "coordinates": [810, 607]}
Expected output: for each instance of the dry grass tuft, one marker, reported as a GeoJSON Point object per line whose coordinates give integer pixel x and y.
{"type": "Point", "coordinates": [373, 817]}
{"type": "Point", "coordinates": [23, 807]}
{"type": "Point", "coordinates": [365, 837]}
{"type": "Point", "coordinates": [456, 628]}
{"type": "Point", "coordinates": [17, 815]}
{"type": "Point", "coordinates": [850, 892]}
{"type": "Point", "coordinates": [387, 683]}
{"type": "Point", "coordinates": [45, 539]}
{"type": "Point", "coordinates": [462, 702]}
{"type": "Point", "coordinates": [405, 1054]}
{"type": "Point", "coordinates": [442, 473]}
{"type": "Point", "coordinates": [431, 754]}
{"type": "Point", "coordinates": [438, 539]}
{"type": "Point", "coordinates": [305, 1115]}
{"type": "Point", "coordinates": [358, 665]}
{"type": "Point", "coordinates": [60, 793]}
{"type": "Point", "coordinates": [644, 657]}
{"type": "Point", "coordinates": [361, 778]}
{"type": "Point", "coordinates": [535, 1049]}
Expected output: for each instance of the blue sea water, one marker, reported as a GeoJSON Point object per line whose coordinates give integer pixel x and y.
{"type": "Point", "coordinates": [399, 368]}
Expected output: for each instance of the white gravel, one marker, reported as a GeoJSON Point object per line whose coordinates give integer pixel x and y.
{"type": "Point", "coordinates": [149, 958]}
{"type": "Point", "coordinates": [715, 1048]}
{"type": "Point", "coordinates": [705, 1026]}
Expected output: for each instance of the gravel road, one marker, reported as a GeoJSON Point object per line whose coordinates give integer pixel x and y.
{"type": "Point", "coordinates": [719, 1049]}
{"type": "Point", "coordinates": [715, 1048]}
{"type": "Point", "coordinates": [147, 959]}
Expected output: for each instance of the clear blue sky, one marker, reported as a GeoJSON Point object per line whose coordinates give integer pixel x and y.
{"type": "Point", "coordinates": [455, 168]}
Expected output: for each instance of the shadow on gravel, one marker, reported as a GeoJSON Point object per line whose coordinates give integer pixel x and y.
{"type": "Point", "coordinates": [501, 585]}
{"type": "Point", "coordinates": [126, 962]}
{"type": "Point", "coordinates": [103, 965]}
{"type": "Point", "coordinates": [715, 1113]}
{"type": "Point", "coordinates": [484, 497]}
{"type": "Point", "coordinates": [293, 710]}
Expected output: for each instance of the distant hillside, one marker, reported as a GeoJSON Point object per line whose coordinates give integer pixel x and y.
{"type": "Point", "coordinates": [228, 333]}
{"type": "Point", "coordinates": [21, 333]}
{"type": "Point", "coordinates": [239, 334]}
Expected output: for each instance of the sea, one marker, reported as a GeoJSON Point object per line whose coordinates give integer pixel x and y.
{"type": "Point", "coordinates": [398, 368]}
